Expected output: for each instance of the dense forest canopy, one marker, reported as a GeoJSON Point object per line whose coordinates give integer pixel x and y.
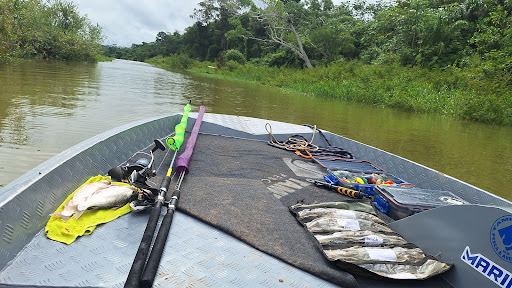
{"type": "Point", "coordinates": [50, 29]}
{"type": "Point", "coordinates": [427, 33]}
{"type": "Point", "coordinates": [438, 56]}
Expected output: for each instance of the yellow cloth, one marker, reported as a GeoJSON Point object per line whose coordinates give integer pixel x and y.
{"type": "Point", "coordinates": [67, 232]}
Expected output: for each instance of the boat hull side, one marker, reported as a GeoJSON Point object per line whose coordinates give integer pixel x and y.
{"type": "Point", "coordinates": [421, 176]}
{"type": "Point", "coordinates": [25, 203]}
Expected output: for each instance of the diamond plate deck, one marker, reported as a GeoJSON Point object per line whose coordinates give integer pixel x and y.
{"type": "Point", "coordinates": [26, 202]}
{"type": "Point", "coordinates": [198, 255]}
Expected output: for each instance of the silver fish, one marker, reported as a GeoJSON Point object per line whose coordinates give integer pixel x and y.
{"type": "Point", "coordinates": [80, 196]}
{"type": "Point", "coordinates": [111, 197]}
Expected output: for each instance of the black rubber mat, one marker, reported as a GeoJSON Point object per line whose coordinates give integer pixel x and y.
{"type": "Point", "coordinates": [245, 188]}
{"type": "Point", "coordinates": [228, 186]}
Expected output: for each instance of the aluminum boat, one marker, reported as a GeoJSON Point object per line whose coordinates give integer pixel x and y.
{"type": "Point", "coordinates": [233, 227]}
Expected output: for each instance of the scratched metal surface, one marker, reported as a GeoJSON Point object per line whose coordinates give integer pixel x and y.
{"type": "Point", "coordinates": [196, 255]}
{"type": "Point", "coordinates": [103, 259]}
{"type": "Point", "coordinates": [26, 202]}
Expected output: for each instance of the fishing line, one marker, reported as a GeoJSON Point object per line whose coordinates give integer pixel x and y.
{"type": "Point", "coordinates": [159, 166]}
{"type": "Point", "coordinates": [182, 162]}
{"type": "Point", "coordinates": [139, 262]}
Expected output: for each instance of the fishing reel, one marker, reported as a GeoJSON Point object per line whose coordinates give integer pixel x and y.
{"type": "Point", "coordinates": [138, 172]}
{"type": "Point", "coordinates": [145, 199]}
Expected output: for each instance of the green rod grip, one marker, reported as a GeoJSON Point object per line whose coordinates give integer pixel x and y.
{"type": "Point", "coordinates": [175, 142]}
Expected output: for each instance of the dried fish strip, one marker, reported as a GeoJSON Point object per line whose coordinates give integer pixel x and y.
{"type": "Point", "coordinates": [360, 238]}
{"type": "Point", "coordinates": [334, 224]}
{"type": "Point", "coordinates": [361, 255]}
{"type": "Point", "coordinates": [402, 271]}
{"type": "Point", "coordinates": [339, 213]}
{"type": "Point", "coordinates": [349, 234]}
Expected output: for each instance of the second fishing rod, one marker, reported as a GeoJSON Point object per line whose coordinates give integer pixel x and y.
{"type": "Point", "coordinates": [182, 162]}
{"type": "Point", "coordinates": [139, 261]}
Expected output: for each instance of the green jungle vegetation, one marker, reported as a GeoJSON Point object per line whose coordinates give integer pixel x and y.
{"type": "Point", "coordinates": [51, 29]}
{"type": "Point", "coordinates": [438, 56]}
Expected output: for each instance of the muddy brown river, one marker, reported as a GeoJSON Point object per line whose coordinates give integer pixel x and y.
{"type": "Point", "coordinates": [47, 107]}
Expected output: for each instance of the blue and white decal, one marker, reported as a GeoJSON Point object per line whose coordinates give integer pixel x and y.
{"type": "Point", "coordinates": [501, 237]}
{"type": "Point", "coordinates": [488, 268]}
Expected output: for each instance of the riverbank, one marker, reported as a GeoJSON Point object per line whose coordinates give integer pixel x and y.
{"type": "Point", "coordinates": [452, 92]}
{"type": "Point", "coordinates": [103, 58]}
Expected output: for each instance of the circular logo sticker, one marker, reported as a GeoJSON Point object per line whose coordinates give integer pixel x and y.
{"type": "Point", "coordinates": [501, 237]}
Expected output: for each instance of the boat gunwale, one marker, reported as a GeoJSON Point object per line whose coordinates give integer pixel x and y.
{"type": "Point", "coordinates": [499, 199]}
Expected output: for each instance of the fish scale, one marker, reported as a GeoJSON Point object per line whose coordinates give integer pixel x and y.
{"type": "Point", "coordinates": [98, 195]}
{"type": "Point", "coordinates": [80, 196]}
{"type": "Point", "coordinates": [112, 196]}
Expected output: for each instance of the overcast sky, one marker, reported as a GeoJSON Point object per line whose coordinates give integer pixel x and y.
{"type": "Point", "coordinates": [134, 21]}
{"type": "Point", "coordinates": [125, 22]}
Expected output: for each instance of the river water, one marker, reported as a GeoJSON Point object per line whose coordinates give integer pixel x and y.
{"type": "Point", "coordinates": [47, 107]}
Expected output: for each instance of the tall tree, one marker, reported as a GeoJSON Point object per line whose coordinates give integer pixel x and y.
{"type": "Point", "coordinates": [218, 15]}
{"type": "Point", "coordinates": [47, 29]}
{"type": "Point", "coordinates": [278, 19]}
{"type": "Point", "coordinates": [211, 10]}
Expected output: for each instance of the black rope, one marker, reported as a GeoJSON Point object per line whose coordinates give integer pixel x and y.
{"type": "Point", "coordinates": [319, 131]}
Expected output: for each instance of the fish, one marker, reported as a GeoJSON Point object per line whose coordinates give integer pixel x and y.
{"type": "Point", "coordinates": [80, 196]}
{"type": "Point", "coordinates": [114, 196]}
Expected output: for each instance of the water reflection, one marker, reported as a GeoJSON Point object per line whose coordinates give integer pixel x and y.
{"type": "Point", "coordinates": [476, 153]}
{"type": "Point", "coordinates": [49, 106]}
{"type": "Point", "coordinates": [34, 89]}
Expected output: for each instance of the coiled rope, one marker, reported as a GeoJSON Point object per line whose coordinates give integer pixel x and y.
{"type": "Point", "coordinates": [301, 145]}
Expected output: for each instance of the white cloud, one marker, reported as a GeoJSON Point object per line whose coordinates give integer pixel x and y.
{"type": "Point", "coordinates": [125, 22]}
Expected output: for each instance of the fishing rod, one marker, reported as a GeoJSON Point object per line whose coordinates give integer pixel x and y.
{"type": "Point", "coordinates": [148, 277]}
{"type": "Point", "coordinates": [140, 258]}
